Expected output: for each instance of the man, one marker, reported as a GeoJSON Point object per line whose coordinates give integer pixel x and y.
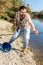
{"type": "Point", "coordinates": [23, 24]}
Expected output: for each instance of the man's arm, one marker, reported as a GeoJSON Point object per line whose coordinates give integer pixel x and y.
{"type": "Point", "coordinates": [32, 26]}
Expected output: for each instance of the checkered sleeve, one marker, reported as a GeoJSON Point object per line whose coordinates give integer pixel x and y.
{"type": "Point", "coordinates": [30, 22]}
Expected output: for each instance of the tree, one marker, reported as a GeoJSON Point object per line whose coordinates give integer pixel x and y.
{"type": "Point", "coordinates": [9, 7]}
{"type": "Point", "coordinates": [5, 5]}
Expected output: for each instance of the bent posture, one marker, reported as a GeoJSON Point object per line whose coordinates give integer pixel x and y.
{"type": "Point", "coordinates": [24, 24]}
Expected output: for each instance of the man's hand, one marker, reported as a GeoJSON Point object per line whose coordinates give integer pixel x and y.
{"type": "Point", "coordinates": [36, 32]}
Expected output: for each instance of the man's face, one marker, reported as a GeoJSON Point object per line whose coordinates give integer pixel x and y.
{"type": "Point", "coordinates": [22, 12]}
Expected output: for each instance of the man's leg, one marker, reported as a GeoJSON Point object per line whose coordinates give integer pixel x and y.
{"type": "Point", "coordinates": [15, 35]}
{"type": "Point", "coordinates": [26, 37]}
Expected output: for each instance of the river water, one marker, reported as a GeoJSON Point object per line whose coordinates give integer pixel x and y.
{"type": "Point", "coordinates": [36, 42]}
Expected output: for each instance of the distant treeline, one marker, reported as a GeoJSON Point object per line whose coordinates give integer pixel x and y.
{"type": "Point", "coordinates": [9, 7]}
{"type": "Point", "coordinates": [38, 14]}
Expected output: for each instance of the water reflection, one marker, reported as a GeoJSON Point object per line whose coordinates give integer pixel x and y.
{"type": "Point", "coordinates": [36, 42]}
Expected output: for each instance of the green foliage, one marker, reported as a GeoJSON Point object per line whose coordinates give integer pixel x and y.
{"type": "Point", "coordinates": [9, 7]}
{"type": "Point", "coordinates": [41, 12]}
{"type": "Point", "coordinates": [5, 5]}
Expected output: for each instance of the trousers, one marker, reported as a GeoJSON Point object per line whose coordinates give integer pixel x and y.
{"type": "Point", "coordinates": [26, 36]}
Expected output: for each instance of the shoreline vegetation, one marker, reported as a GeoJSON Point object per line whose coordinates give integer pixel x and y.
{"type": "Point", "coordinates": [38, 15]}
{"type": "Point", "coordinates": [10, 7]}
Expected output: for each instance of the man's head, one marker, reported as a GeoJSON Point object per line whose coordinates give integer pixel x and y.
{"type": "Point", "coordinates": [22, 10]}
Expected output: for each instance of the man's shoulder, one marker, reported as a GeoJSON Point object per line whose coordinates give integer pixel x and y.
{"type": "Point", "coordinates": [27, 15]}
{"type": "Point", "coordinates": [17, 13]}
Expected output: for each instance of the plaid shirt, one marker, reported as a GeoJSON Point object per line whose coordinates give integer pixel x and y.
{"type": "Point", "coordinates": [25, 23]}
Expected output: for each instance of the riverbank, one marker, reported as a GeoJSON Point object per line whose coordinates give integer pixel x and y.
{"type": "Point", "coordinates": [15, 56]}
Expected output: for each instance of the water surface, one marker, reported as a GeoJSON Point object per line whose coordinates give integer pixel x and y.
{"type": "Point", "coordinates": [36, 42]}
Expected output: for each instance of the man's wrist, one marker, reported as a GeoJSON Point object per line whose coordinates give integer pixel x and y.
{"type": "Point", "coordinates": [34, 29]}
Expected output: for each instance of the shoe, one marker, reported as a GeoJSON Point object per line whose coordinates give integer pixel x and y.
{"type": "Point", "coordinates": [24, 50]}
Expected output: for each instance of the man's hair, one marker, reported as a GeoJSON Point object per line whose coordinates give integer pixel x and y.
{"type": "Point", "coordinates": [22, 7]}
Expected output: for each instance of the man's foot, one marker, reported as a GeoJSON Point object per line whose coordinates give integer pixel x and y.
{"type": "Point", "coordinates": [24, 50]}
